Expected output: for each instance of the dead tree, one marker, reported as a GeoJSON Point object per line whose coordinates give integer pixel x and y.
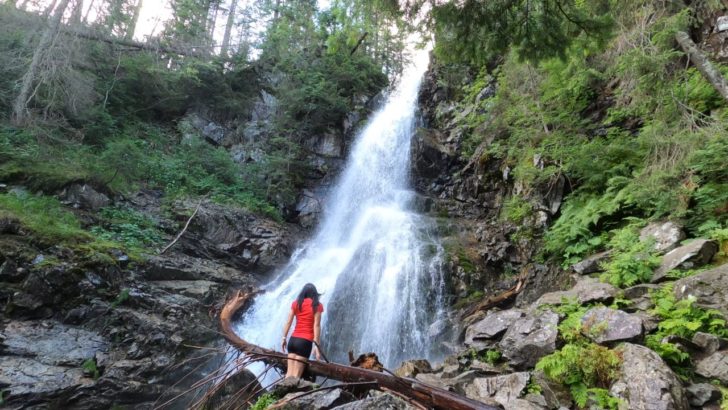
{"type": "Point", "coordinates": [228, 28]}
{"type": "Point", "coordinates": [20, 106]}
{"type": "Point", "coordinates": [428, 396]}
{"type": "Point", "coordinates": [701, 62]}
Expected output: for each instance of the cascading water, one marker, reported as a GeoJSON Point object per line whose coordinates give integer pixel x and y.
{"type": "Point", "coordinates": [373, 258]}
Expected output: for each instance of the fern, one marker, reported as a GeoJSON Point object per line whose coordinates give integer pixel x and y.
{"type": "Point", "coordinates": [587, 370]}
{"type": "Point", "coordinates": [632, 261]}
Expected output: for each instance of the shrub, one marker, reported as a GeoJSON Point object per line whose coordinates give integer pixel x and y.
{"type": "Point", "coordinates": [632, 260]}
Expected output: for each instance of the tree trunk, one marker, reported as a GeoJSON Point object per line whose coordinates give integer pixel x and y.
{"type": "Point", "coordinates": [228, 28]}
{"type": "Point", "coordinates": [20, 106]}
{"type": "Point", "coordinates": [701, 62]}
{"type": "Point", "coordinates": [77, 13]}
{"type": "Point", "coordinates": [47, 12]}
{"type": "Point", "coordinates": [429, 396]}
{"type": "Point", "coordinates": [88, 11]}
{"type": "Point", "coordinates": [134, 20]}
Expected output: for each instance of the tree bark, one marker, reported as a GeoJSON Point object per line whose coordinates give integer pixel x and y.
{"type": "Point", "coordinates": [228, 28]}
{"type": "Point", "coordinates": [429, 396]}
{"type": "Point", "coordinates": [134, 20]}
{"type": "Point", "coordinates": [47, 12]}
{"type": "Point", "coordinates": [701, 62]}
{"type": "Point", "coordinates": [90, 35]}
{"type": "Point", "coordinates": [20, 105]}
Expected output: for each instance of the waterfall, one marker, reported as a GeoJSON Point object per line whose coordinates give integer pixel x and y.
{"type": "Point", "coordinates": [374, 258]}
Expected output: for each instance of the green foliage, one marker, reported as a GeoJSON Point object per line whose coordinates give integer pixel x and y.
{"type": "Point", "coordinates": [44, 216]}
{"type": "Point", "coordinates": [89, 366]}
{"type": "Point", "coordinates": [571, 328]}
{"type": "Point", "coordinates": [264, 401]}
{"type": "Point", "coordinates": [681, 318]}
{"type": "Point", "coordinates": [477, 31]}
{"type": "Point", "coordinates": [587, 370]}
{"type": "Point", "coordinates": [517, 209]}
{"type": "Point", "coordinates": [632, 260]}
{"type": "Point", "coordinates": [121, 298]}
{"type": "Point", "coordinates": [128, 226]}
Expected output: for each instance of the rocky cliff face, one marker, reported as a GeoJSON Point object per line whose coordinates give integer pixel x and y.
{"type": "Point", "coordinates": [487, 252]}
{"type": "Point", "coordinates": [90, 333]}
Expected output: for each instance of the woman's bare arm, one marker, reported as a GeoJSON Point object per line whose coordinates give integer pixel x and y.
{"type": "Point", "coordinates": [317, 334]}
{"type": "Point", "coordinates": [287, 328]}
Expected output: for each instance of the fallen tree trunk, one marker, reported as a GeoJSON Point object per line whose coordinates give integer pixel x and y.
{"type": "Point", "coordinates": [154, 47]}
{"type": "Point", "coordinates": [701, 62]}
{"type": "Point", "coordinates": [429, 396]}
{"type": "Point", "coordinates": [496, 300]}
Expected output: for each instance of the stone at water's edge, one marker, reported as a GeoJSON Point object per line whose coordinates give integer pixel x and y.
{"type": "Point", "coordinates": [693, 255]}
{"type": "Point", "coordinates": [377, 401]}
{"type": "Point", "coordinates": [530, 338]}
{"type": "Point", "coordinates": [412, 368]}
{"type": "Point", "coordinates": [605, 325]}
{"type": "Point", "coordinates": [709, 288]}
{"type": "Point", "coordinates": [646, 382]}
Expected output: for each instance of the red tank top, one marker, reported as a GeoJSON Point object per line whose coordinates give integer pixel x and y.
{"type": "Point", "coordinates": [305, 318]}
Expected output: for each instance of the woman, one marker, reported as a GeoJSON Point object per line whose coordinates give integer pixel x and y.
{"type": "Point", "coordinates": [307, 310]}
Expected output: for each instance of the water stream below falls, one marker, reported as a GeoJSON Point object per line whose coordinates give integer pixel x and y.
{"type": "Point", "coordinates": [374, 258]}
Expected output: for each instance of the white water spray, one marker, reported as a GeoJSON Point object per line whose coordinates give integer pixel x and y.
{"type": "Point", "coordinates": [373, 257]}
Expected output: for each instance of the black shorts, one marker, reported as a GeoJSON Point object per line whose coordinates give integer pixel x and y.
{"type": "Point", "coordinates": [301, 347]}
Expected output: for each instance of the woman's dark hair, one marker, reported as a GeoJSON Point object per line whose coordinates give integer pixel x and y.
{"type": "Point", "coordinates": [308, 291]}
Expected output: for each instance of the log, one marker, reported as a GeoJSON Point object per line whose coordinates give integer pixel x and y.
{"type": "Point", "coordinates": [701, 62]}
{"type": "Point", "coordinates": [428, 396]}
{"type": "Point", "coordinates": [493, 301]}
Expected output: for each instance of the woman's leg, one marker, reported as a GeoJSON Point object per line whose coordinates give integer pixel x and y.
{"type": "Point", "coordinates": [299, 365]}
{"type": "Point", "coordinates": [291, 369]}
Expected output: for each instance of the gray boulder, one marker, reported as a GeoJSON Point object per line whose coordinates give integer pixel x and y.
{"type": "Point", "coordinates": [322, 400]}
{"type": "Point", "coordinates": [530, 338]}
{"type": "Point", "coordinates": [667, 235]}
{"type": "Point", "coordinates": [52, 343]}
{"type": "Point", "coordinates": [646, 382]}
{"type": "Point", "coordinates": [84, 196]}
{"type": "Point", "coordinates": [490, 327]}
{"type": "Point", "coordinates": [605, 325]}
{"type": "Point", "coordinates": [709, 343]}
{"type": "Point", "coordinates": [556, 394]}
{"type": "Point", "coordinates": [377, 401]}
{"type": "Point", "coordinates": [695, 254]}
{"type": "Point", "coordinates": [586, 290]}
{"type": "Point", "coordinates": [700, 394]}
{"type": "Point", "coordinates": [309, 208]}
{"type": "Point", "coordinates": [714, 366]}
{"type": "Point", "coordinates": [709, 288]}
{"type": "Point", "coordinates": [501, 389]}
{"type": "Point", "coordinates": [592, 264]}
{"type": "Point", "coordinates": [412, 368]}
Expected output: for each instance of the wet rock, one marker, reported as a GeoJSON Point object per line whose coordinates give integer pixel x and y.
{"type": "Point", "coordinates": [530, 338]}
{"type": "Point", "coordinates": [605, 325]}
{"type": "Point", "coordinates": [234, 236]}
{"type": "Point", "coordinates": [9, 271]}
{"type": "Point", "coordinates": [9, 225]}
{"type": "Point", "coordinates": [695, 254]}
{"type": "Point", "coordinates": [24, 377]}
{"type": "Point", "coordinates": [228, 395]}
{"type": "Point", "coordinates": [666, 235]}
{"type": "Point", "coordinates": [377, 401]}
{"type": "Point", "coordinates": [191, 288]}
{"type": "Point", "coordinates": [430, 155]}
{"type": "Point", "coordinates": [493, 325]}
{"type": "Point", "coordinates": [709, 288]}
{"type": "Point", "coordinates": [84, 196]}
{"type": "Point", "coordinates": [433, 379]}
{"type": "Point", "coordinates": [709, 343]}
{"type": "Point", "coordinates": [501, 389]}
{"type": "Point", "coordinates": [592, 264]}
{"type": "Point", "coordinates": [700, 394]}
{"type": "Point", "coordinates": [328, 144]}
{"type": "Point", "coordinates": [412, 368]}
{"type": "Point", "coordinates": [646, 382]}
{"type": "Point", "coordinates": [323, 400]}
{"type": "Point", "coordinates": [185, 268]}
{"type": "Point", "coordinates": [714, 366]}
{"type": "Point", "coordinates": [52, 343]}
{"type": "Point", "coordinates": [586, 290]}
{"type": "Point", "coordinates": [309, 208]}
